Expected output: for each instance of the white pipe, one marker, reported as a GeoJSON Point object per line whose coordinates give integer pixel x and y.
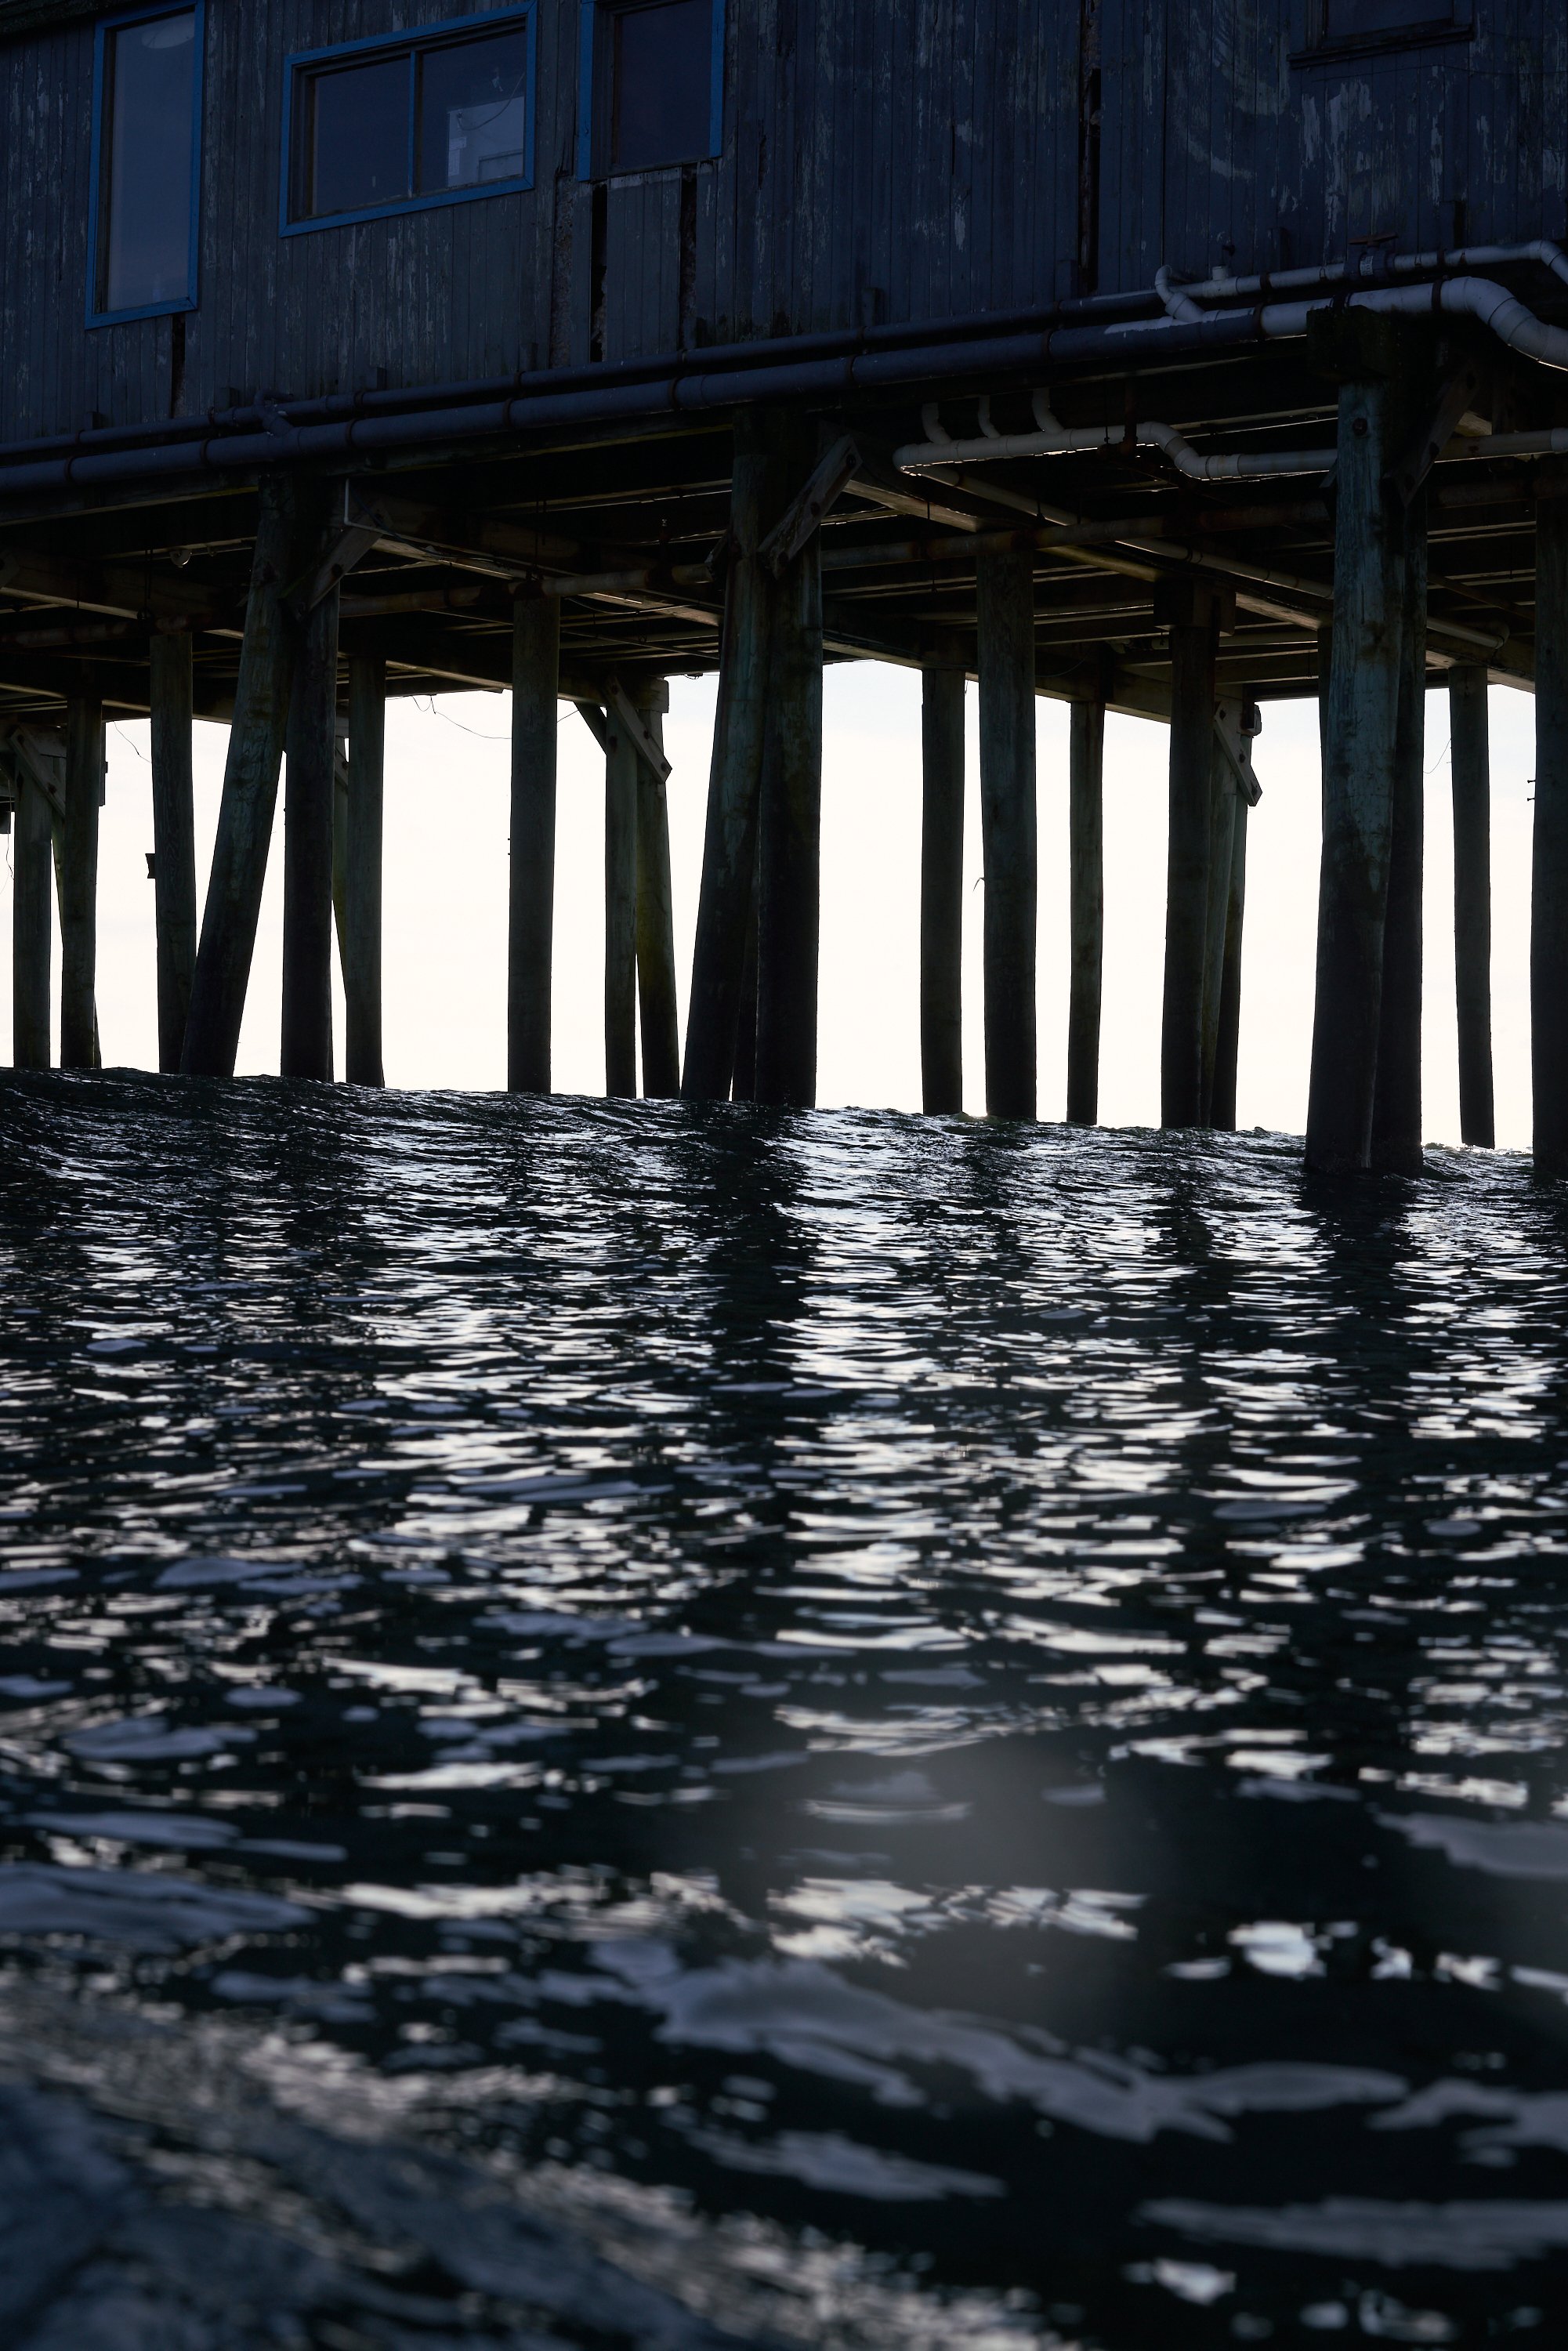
{"type": "Point", "coordinates": [1236, 466]}
{"type": "Point", "coordinates": [1053, 439]}
{"type": "Point", "coordinates": [1552, 442]}
{"type": "Point", "coordinates": [1481, 299]}
{"type": "Point", "coordinates": [1178, 304]}
{"type": "Point", "coordinates": [1220, 288]}
{"type": "Point", "coordinates": [1315, 595]}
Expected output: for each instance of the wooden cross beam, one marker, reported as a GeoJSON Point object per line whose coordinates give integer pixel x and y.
{"type": "Point", "coordinates": [803, 515]}
{"type": "Point", "coordinates": [631, 722]}
{"type": "Point", "coordinates": [15, 741]}
{"type": "Point", "coordinates": [593, 717]}
{"type": "Point", "coordinates": [1459, 396]}
{"type": "Point", "coordinates": [124, 592]}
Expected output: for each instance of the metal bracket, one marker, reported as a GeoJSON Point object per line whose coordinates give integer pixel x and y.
{"type": "Point", "coordinates": [351, 545]}
{"type": "Point", "coordinates": [1460, 392]}
{"type": "Point", "coordinates": [273, 418]}
{"type": "Point", "coordinates": [1235, 740]}
{"type": "Point", "coordinates": [353, 536]}
{"type": "Point", "coordinates": [717, 560]}
{"type": "Point", "coordinates": [629, 720]}
{"type": "Point", "coordinates": [803, 515]}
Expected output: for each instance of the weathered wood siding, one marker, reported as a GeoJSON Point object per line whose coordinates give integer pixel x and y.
{"type": "Point", "coordinates": [1226, 145]}
{"type": "Point", "coordinates": [883, 159]}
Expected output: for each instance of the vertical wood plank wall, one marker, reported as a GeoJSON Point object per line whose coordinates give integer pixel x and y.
{"type": "Point", "coordinates": [898, 159]}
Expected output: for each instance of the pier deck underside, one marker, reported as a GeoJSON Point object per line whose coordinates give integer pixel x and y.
{"type": "Point", "coordinates": [627, 525]}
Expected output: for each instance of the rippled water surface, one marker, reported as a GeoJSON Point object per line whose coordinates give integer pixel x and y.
{"type": "Point", "coordinates": [628, 1728]}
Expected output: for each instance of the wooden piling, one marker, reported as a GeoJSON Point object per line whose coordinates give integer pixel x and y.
{"type": "Point", "coordinates": [361, 943]}
{"type": "Point", "coordinates": [1193, 615]}
{"type": "Point", "coordinates": [262, 694]}
{"type": "Point", "coordinates": [340, 850]}
{"type": "Point", "coordinates": [530, 922]}
{"type": "Point", "coordinates": [1326, 678]}
{"type": "Point", "coordinates": [743, 1084]}
{"type": "Point", "coordinates": [941, 889]}
{"type": "Point", "coordinates": [79, 884]}
{"type": "Point", "coordinates": [621, 765]}
{"type": "Point", "coordinates": [310, 794]}
{"type": "Point", "coordinates": [1549, 856]}
{"type": "Point", "coordinates": [1470, 758]}
{"type": "Point", "coordinates": [1397, 1098]}
{"type": "Point", "coordinates": [1227, 1039]}
{"type": "Point", "coordinates": [1086, 878]}
{"type": "Point", "coordinates": [655, 914]}
{"type": "Point", "coordinates": [788, 902]}
{"type": "Point", "coordinates": [170, 673]}
{"type": "Point", "coordinates": [1222, 798]}
{"type": "Point", "coordinates": [729, 845]}
{"type": "Point", "coordinates": [1360, 727]}
{"type": "Point", "coordinates": [31, 931]}
{"type": "Point", "coordinates": [1004, 625]}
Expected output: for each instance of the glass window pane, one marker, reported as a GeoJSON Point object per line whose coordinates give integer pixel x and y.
{"type": "Point", "coordinates": [660, 95]}
{"type": "Point", "coordinates": [145, 253]}
{"type": "Point", "coordinates": [471, 97]}
{"type": "Point", "coordinates": [356, 133]}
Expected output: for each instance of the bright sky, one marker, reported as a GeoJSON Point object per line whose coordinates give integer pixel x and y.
{"type": "Point", "coordinates": [446, 879]}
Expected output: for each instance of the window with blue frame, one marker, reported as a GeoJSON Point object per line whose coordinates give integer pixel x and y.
{"type": "Point", "coordinates": [382, 126]}
{"type": "Point", "coordinates": [145, 159]}
{"type": "Point", "coordinates": [652, 84]}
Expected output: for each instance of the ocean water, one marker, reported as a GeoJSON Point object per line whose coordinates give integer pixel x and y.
{"type": "Point", "coordinates": [623, 1726]}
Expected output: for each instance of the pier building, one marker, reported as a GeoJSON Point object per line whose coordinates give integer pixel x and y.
{"type": "Point", "coordinates": [1164, 356]}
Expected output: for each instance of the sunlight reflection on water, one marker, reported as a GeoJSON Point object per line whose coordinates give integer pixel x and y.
{"type": "Point", "coordinates": [623, 1726]}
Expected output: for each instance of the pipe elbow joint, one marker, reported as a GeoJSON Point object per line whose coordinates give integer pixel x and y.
{"type": "Point", "coordinates": [1177, 305]}
{"type": "Point", "coordinates": [1491, 305]}
{"type": "Point", "coordinates": [1052, 433]}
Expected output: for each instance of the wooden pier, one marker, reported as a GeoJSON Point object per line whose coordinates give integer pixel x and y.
{"type": "Point", "coordinates": [866, 334]}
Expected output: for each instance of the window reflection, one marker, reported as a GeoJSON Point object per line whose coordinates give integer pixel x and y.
{"type": "Point", "coordinates": [357, 151]}
{"type": "Point", "coordinates": [421, 119]}
{"type": "Point", "coordinates": [471, 112]}
{"type": "Point", "coordinates": [661, 64]}
{"type": "Point", "coordinates": [146, 153]}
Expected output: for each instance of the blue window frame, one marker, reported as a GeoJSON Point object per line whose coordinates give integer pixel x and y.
{"type": "Point", "coordinates": [440, 116]}
{"type": "Point", "coordinates": [650, 84]}
{"type": "Point", "coordinates": [146, 163]}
